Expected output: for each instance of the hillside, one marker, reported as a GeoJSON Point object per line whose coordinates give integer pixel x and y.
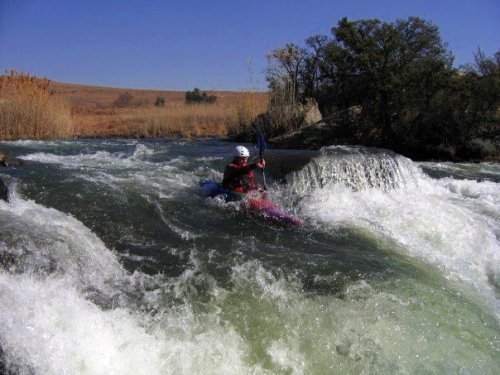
{"type": "Point", "coordinates": [94, 114]}
{"type": "Point", "coordinates": [87, 96]}
{"type": "Point", "coordinates": [38, 108]}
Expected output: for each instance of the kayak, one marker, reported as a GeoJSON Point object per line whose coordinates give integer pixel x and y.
{"type": "Point", "coordinates": [251, 203]}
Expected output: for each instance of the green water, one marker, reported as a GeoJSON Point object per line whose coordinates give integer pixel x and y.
{"type": "Point", "coordinates": [111, 262]}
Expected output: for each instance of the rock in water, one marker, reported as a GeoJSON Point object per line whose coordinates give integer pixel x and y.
{"type": "Point", "coordinates": [6, 160]}
{"type": "Point", "coordinates": [4, 191]}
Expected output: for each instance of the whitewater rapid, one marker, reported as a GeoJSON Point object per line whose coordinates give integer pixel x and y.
{"type": "Point", "coordinates": [451, 224]}
{"type": "Point", "coordinates": [67, 308]}
{"type": "Point", "coordinates": [111, 263]}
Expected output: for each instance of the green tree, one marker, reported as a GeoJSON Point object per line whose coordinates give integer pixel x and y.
{"type": "Point", "coordinates": [478, 92]}
{"type": "Point", "coordinates": [309, 76]}
{"type": "Point", "coordinates": [388, 66]}
{"type": "Point", "coordinates": [196, 96]}
{"type": "Point", "coordinates": [398, 77]}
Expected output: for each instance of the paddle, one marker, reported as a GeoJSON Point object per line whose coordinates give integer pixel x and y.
{"type": "Point", "coordinates": [261, 144]}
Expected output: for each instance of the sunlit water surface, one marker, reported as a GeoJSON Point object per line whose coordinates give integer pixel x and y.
{"type": "Point", "coordinates": [111, 263]}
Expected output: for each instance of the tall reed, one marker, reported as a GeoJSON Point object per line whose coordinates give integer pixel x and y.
{"type": "Point", "coordinates": [28, 111]}
{"type": "Point", "coordinates": [248, 106]}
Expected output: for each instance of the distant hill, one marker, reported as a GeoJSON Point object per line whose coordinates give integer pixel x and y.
{"type": "Point", "coordinates": [86, 96]}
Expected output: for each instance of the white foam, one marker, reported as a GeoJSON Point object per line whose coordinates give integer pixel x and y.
{"type": "Point", "coordinates": [99, 159]}
{"type": "Point", "coordinates": [355, 168]}
{"type": "Point", "coordinates": [142, 150]}
{"type": "Point", "coordinates": [27, 142]}
{"type": "Point", "coordinates": [206, 159]}
{"type": "Point", "coordinates": [465, 170]}
{"type": "Point", "coordinates": [289, 359]}
{"type": "Point", "coordinates": [452, 225]}
{"type": "Point", "coordinates": [56, 242]}
{"type": "Point", "coordinates": [449, 223]}
{"type": "Point", "coordinates": [264, 322]}
{"type": "Point", "coordinates": [121, 171]}
{"type": "Point", "coordinates": [48, 324]}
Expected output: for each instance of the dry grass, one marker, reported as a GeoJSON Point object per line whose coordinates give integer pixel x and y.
{"type": "Point", "coordinates": [34, 108]}
{"type": "Point", "coordinates": [28, 110]}
{"type": "Point", "coordinates": [173, 120]}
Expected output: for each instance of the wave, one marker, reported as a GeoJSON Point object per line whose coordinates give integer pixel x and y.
{"type": "Point", "coordinates": [357, 168]}
{"type": "Point", "coordinates": [68, 306]}
{"type": "Point", "coordinates": [450, 224]}
{"type": "Point", "coordinates": [46, 242]}
{"type": "Point", "coordinates": [229, 296]}
{"type": "Point", "coordinates": [101, 159]}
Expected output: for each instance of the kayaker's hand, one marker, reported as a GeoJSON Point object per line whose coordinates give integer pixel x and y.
{"type": "Point", "coordinates": [263, 193]}
{"type": "Point", "coordinates": [261, 164]}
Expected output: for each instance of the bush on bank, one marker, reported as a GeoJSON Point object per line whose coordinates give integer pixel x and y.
{"type": "Point", "coordinates": [399, 77]}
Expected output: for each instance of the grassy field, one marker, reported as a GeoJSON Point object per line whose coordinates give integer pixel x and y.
{"type": "Point", "coordinates": [35, 108]}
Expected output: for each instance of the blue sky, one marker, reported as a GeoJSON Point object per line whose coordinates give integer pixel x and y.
{"type": "Point", "coordinates": [179, 45]}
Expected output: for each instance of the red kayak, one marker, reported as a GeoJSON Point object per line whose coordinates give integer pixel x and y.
{"type": "Point", "coordinates": [269, 210]}
{"type": "Point", "coordinates": [253, 203]}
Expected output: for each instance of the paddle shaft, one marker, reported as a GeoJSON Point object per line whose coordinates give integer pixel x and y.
{"type": "Point", "coordinates": [263, 173]}
{"type": "Point", "coordinates": [261, 143]}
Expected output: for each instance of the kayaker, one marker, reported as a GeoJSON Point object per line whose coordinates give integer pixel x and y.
{"type": "Point", "coordinates": [238, 175]}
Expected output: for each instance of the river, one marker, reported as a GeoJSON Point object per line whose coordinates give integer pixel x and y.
{"type": "Point", "coordinates": [112, 263]}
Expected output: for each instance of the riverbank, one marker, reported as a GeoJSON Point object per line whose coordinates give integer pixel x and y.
{"type": "Point", "coordinates": [326, 133]}
{"type": "Point", "coordinates": [40, 109]}
{"type": "Point", "coordinates": [37, 108]}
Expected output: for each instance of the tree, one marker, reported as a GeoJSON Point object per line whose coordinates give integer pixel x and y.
{"type": "Point", "coordinates": [400, 79]}
{"type": "Point", "coordinates": [478, 90]}
{"type": "Point", "coordinates": [309, 76]}
{"type": "Point", "coordinates": [196, 96]}
{"type": "Point", "coordinates": [484, 65]}
{"type": "Point", "coordinates": [284, 68]}
{"type": "Point", "coordinates": [388, 64]}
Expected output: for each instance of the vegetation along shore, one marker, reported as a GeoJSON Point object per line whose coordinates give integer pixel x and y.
{"type": "Point", "coordinates": [372, 83]}
{"type": "Point", "coordinates": [37, 108]}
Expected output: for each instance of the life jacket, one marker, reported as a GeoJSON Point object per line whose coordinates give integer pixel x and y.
{"type": "Point", "coordinates": [239, 178]}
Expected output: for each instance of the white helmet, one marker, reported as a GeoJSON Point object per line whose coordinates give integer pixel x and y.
{"type": "Point", "coordinates": [241, 151]}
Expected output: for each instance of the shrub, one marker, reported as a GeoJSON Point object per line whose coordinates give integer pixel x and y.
{"type": "Point", "coordinates": [160, 101]}
{"type": "Point", "coordinates": [196, 96]}
{"type": "Point", "coordinates": [124, 100]}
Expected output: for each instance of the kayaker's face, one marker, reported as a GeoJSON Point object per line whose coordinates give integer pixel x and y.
{"type": "Point", "coordinates": [241, 160]}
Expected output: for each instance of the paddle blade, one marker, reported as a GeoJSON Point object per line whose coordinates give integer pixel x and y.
{"type": "Point", "coordinates": [261, 143]}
